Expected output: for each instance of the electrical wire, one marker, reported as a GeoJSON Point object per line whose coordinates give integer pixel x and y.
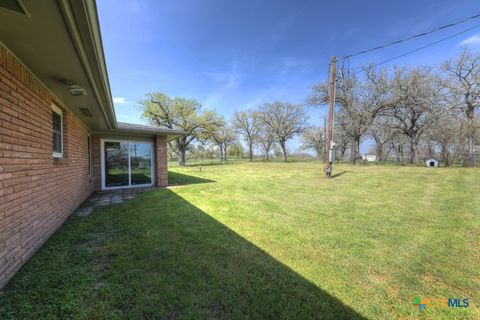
{"type": "Point", "coordinates": [412, 37]}
{"type": "Point", "coordinates": [423, 47]}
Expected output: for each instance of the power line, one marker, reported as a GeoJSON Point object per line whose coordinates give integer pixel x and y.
{"type": "Point", "coordinates": [423, 47]}
{"type": "Point", "coordinates": [412, 37]}
{"type": "Point", "coordinates": [427, 45]}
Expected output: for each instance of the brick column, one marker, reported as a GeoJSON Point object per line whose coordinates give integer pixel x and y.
{"type": "Point", "coordinates": [97, 166]}
{"type": "Point", "coordinates": [161, 166]}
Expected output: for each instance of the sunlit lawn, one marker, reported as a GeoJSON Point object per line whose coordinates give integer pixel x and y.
{"type": "Point", "coordinates": [266, 241]}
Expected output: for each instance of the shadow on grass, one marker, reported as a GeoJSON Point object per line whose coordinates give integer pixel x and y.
{"type": "Point", "coordinates": [339, 174]}
{"type": "Point", "coordinates": [160, 257]}
{"type": "Point", "coordinates": [179, 179]}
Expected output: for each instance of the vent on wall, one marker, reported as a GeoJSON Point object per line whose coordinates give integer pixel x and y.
{"type": "Point", "coordinates": [14, 5]}
{"type": "Point", "coordinates": [86, 112]}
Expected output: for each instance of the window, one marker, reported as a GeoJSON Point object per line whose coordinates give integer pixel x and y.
{"type": "Point", "coordinates": [89, 146]}
{"type": "Point", "coordinates": [57, 126]}
{"type": "Point", "coordinates": [126, 163]}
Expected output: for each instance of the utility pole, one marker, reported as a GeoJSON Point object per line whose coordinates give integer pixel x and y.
{"type": "Point", "coordinates": [331, 103]}
{"type": "Point", "coordinates": [325, 137]}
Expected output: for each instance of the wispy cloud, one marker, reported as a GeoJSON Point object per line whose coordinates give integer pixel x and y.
{"type": "Point", "coordinates": [226, 82]}
{"type": "Point", "coordinates": [258, 100]}
{"type": "Point", "coordinates": [119, 100]}
{"type": "Point", "coordinates": [471, 41]}
{"type": "Point", "coordinates": [285, 75]}
{"type": "Point", "coordinates": [293, 64]}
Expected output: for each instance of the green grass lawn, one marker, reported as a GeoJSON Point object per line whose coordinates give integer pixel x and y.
{"type": "Point", "coordinates": [266, 241]}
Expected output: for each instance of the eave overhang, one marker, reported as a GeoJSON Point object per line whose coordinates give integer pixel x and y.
{"type": "Point", "coordinates": [59, 42]}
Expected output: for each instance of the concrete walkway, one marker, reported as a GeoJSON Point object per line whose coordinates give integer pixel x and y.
{"type": "Point", "coordinates": [105, 198]}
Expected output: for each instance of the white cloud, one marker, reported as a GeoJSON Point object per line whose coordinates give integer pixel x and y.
{"type": "Point", "coordinates": [473, 40]}
{"type": "Point", "coordinates": [119, 100]}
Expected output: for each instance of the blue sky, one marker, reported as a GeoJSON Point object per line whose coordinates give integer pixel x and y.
{"type": "Point", "coordinates": [234, 55]}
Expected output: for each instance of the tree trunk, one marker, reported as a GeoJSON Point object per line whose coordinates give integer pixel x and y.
{"type": "Point", "coordinates": [182, 156]}
{"type": "Point", "coordinates": [445, 155]}
{"type": "Point", "coordinates": [250, 151]}
{"type": "Point", "coordinates": [267, 151]}
{"type": "Point", "coordinates": [221, 152]}
{"type": "Point", "coordinates": [284, 150]}
{"type": "Point", "coordinates": [320, 155]}
{"type": "Point", "coordinates": [413, 151]}
{"type": "Point", "coordinates": [343, 150]}
{"type": "Point", "coordinates": [355, 149]}
{"type": "Point", "coordinates": [379, 151]}
{"type": "Point", "coordinates": [397, 154]}
{"type": "Point", "coordinates": [181, 150]}
{"type": "Point", "coordinates": [469, 160]}
{"type": "Point", "coordinates": [378, 148]}
{"type": "Point", "coordinates": [385, 155]}
{"type": "Point", "coordinates": [400, 154]}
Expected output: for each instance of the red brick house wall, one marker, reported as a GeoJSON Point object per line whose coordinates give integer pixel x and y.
{"type": "Point", "coordinates": [97, 165]}
{"type": "Point", "coordinates": [161, 161]}
{"type": "Point", "coordinates": [37, 192]}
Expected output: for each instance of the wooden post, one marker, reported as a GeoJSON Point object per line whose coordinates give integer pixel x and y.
{"type": "Point", "coordinates": [331, 104]}
{"type": "Point", "coordinates": [325, 137]}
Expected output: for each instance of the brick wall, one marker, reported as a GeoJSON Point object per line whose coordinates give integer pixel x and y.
{"type": "Point", "coordinates": [161, 161]}
{"type": "Point", "coordinates": [97, 175]}
{"type": "Point", "coordinates": [37, 193]}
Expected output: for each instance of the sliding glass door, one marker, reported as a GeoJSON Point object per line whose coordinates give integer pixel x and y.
{"type": "Point", "coordinates": [141, 163]}
{"type": "Point", "coordinates": [116, 164]}
{"type": "Point", "coordinates": [127, 164]}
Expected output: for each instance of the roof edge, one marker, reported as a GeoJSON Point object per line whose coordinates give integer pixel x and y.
{"type": "Point", "coordinates": [171, 135]}
{"type": "Point", "coordinates": [88, 44]}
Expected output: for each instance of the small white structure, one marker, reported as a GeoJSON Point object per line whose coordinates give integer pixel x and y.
{"type": "Point", "coordinates": [369, 157]}
{"type": "Point", "coordinates": [431, 162]}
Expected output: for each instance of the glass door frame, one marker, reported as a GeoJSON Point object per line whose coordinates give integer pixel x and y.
{"type": "Point", "coordinates": [130, 185]}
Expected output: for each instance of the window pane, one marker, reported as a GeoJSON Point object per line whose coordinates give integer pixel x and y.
{"type": "Point", "coordinates": [116, 164]}
{"type": "Point", "coordinates": [57, 142]}
{"type": "Point", "coordinates": [89, 152]}
{"type": "Point", "coordinates": [141, 163]}
{"type": "Point", "coordinates": [57, 132]}
{"type": "Point", "coordinates": [57, 121]}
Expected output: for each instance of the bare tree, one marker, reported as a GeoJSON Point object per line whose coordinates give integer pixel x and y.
{"type": "Point", "coordinates": [247, 123]}
{"type": "Point", "coordinates": [463, 83]}
{"type": "Point", "coordinates": [286, 120]}
{"type": "Point", "coordinates": [358, 102]}
{"type": "Point", "coordinates": [417, 102]}
{"type": "Point", "coordinates": [382, 134]}
{"type": "Point", "coordinates": [266, 138]}
{"type": "Point", "coordinates": [342, 143]}
{"type": "Point", "coordinates": [313, 139]}
{"type": "Point", "coordinates": [398, 144]}
{"type": "Point", "coordinates": [448, 135]}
